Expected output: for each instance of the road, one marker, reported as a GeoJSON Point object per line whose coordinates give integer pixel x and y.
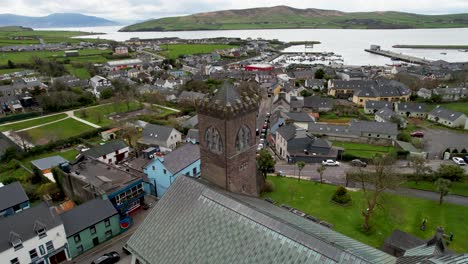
{"type": "Point", "coordinates": [117, 242]}
{"type": "Point", "coordinates": [265, 107]}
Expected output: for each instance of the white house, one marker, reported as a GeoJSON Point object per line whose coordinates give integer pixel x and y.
{"type": "Point", "coordinates": [35, 235]}
{"type": "Point", "coordinates": [166, 138]}
{"type": "Point", "coordinates": [112, 152]}
{"type": "Point", "coordinates": [447, 117]}
{"type": "Point", "coordinates": [97, 84]}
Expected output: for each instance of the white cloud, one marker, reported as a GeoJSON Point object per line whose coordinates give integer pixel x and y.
{"type": "Point", "coordinates": [146, 9]}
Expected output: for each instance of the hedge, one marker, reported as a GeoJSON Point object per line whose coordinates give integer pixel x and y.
{"type": "Point", "coordinates": [19, 117]}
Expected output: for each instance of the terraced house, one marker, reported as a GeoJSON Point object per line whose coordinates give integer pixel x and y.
{"type": "Point", "coordinates": [362, 91]}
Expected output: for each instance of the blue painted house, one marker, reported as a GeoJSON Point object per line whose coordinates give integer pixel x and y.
{"type": "Point", "coordinates": [162, 171]}
{"type": "Point", "coordinates": [13, 199]}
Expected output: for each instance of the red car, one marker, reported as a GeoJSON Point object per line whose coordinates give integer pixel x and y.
{"type": "Point", "coordinates": [417, 134]}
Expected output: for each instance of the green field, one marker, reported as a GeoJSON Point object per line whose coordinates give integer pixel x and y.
{"type": "Point", "coordinates": [103, 111]}
{"type": "Point", "coordinates": [458, 106]}
{"type": "Point", "coordinates": [459, 188]}
{"type": "Point", "coordinates": [286, 17]}
{"type": "Point", "coordinates": [86, 55]}
{"type": "Point", "coordinates": [175, 50]}
{"type": "Point", "coordinates": [30, 123]}
{"type": "Point", "coordinates": [78, 72]}
{"type": "Point", "coordinates": [56, 131]}
{"type": "Point", "coordinates": [360, 150]}
{"type": "Point", "coordinates": [47, 36]}
{"type": "Point", "coordinates": [5, 71]}
{"type": "Point", "coordinates": [397, 212]}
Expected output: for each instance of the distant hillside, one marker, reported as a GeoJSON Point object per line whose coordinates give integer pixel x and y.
{"type": "Point", "coordinates": [55, 20]}
{"type": "Point", "coordinates": [14, 29]}
{"type": "Point", "coordinates": [288, 17]}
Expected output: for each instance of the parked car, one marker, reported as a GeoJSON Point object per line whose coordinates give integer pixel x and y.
{"type": "Point", "coordinates": [459, 161]}
{"type": "Point", "coordinates": [330, 162]}
{"type": "Point", "coordinates": [108, 258]}
{"type": "Point", "coordinates": [257, 131]}
{"type": "Point", "coordinates": [465, 158]}
{"type": "Point", "coordinates": [268, 114]}
{"type": "Point", "coordinates": [358, 163]}
{"type": "Point", "coordinates": [260, 147]}
{"type": "Point", "coordinates": [265, 125]}
{"type": "Point", "coordinates": [418, 134]}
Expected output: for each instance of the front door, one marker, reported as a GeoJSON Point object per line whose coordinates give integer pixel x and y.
{"type": "Point", "coordinates": [95, 241]}
{"type": "Point", "coordinates": [58, 258]}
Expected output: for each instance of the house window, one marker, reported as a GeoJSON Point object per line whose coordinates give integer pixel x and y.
{"type": "Point", "coordinates": [116, 152]}
{"type": "Point", "coordinates": [42, 249]}
{"type": "Point", "coordinates": [79, 249]}
{"type": "Point", "coordinates": [93, 230]}
{"type": "Point", "coordinates": [14, 261]}
{"type": "Point", "coordinates": [154, 168]}
{"type": "Point", "coordinates": [77, 238]}
{"type": "Point", "coordinates": [107, 222]}
{"type": "Point", "coordinates": [50, 246]}
{"type": "Point", "coordinates": [104, 157]}
{"type": "Point", "coordinates": [164, 171]}
{"type": "Point", "coordinates": [41, 233]}
{"type": "Point", "coordinates": [194, 171]}
{"type": "Point", "coordinates": [17, 244]}
{"type": "Point", "coordinates": [33, 254]}
{"type": "Point", "coordinates": [108, 233]}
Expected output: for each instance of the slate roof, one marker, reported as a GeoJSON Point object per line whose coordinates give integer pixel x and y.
{"type": "Point", "coordinates": [198, 223]}
{"type": "Point", "coordinates": [12, 194]}
{"type": "Point", "coordinates": [155, 134]}
{"type": "Point", "coordinates": [371, 104]}
{"type": "Point", "coordinates": [227, 95]}
{"type": "Point", "coordinates": [193, 133]}
{"type": "Point", "coordinates": [411, 107]}
{"type": "Point", "coordinates": [24, 223]}
{"type": "Point", "coordinates": [288, 131]}
{"type": "Point", "coordinates": [191, 122]}
{"type": "Point", "coordinates": [182, 157]}
{"type": "Point", "coordinates": [299, 116]}
{"type": "Point", "coordinates": [446, 114]}
{"type": "Point", "coordinates": [190, 96]}
{"type": "Point", "coordinates": [387, 128]}
{"type": "Point", "coordinates": [101, 150]}
{"type": "Point", "coordinates": [403, 240]}
{"type": "Point", "coordinates": [373, 88]}
{"type": "Point", "coordinates": [49, 162]}
{"type": "Point", "coordinates": [86, 215]}
{"type": "Point", "coordinates": [385, 113]}
{"type": "Point", "coordinates": [318, 102]}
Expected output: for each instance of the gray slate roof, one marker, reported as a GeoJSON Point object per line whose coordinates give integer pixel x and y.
{"type": "Point", "coordinates": [155, 134]}
{"type": "Point", "coordinates": [445, 114]}
{"type": "Point", "coordinates": [182, 157]}
{"type": "Point", "coordinates": [24, 222]}
{"type": "Point", "coordinates": [386, 114]}
{"type": "Point", "coordinates": [370, 104]}
{"type": "Point", "coordinates": [105, 149]}
{"type": "Point", "coordinates": [198, 223]}
{"type": "Point", "coordinates": [12, 194]}
{"type": "Point", "coordinates": [299, 117]}
{"type": "Point", "coordinates": [47, 163]}
{"type": "Point", "coordinates": [318, 102]}
{"type": "Point", "coordinates": [86, 215]}
{"type": "Point", "coordinates": [411, 107]}
{"type": "Point", "coordinates": [288, 131]}
{"type": "Point", "coordinates": [227, 94]}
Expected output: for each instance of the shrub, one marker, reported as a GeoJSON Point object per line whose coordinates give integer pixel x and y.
{"type": "Point", "coordinates": [341, 196]}
{"type": "Point", "coordinates": [268, 187]}
{"type": "Point", "coordinates": [404, 136]}
{"type": "Point", "coordinates": [450, 172]}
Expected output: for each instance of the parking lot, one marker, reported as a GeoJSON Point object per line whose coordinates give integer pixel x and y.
{"type": "Point", "coordinates": [438, 140]}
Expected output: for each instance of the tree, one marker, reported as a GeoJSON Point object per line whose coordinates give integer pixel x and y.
{"type": "Point", "coordinates": [37, 176]}
{"type": "Point", "coordinates": [319, 74]}
{"type": "Point", "coordinates": [450, 172]}
{"type": "Point", "coordinates": [375, 183]}
{"type": "Point", "coordinates": [321, 169]}
{"type": "Point", "coordinates": [443, 188]}
{"type": "Point", "coordinates": [418, 164]}
{"type": "Point", "coordinates": [11, 64]}
{"type": "Point", "coordinates": [10, 153]}
{"type": "Point", "coordinates": [57, 174]}
{"type": "Point", "coordinates": [265, 162]}
{"type": "Point", "coordinates": [24, 138]}
{"type": "Point", "coordinates": [305, 93]}
{"type": "Point", "coordinates": [130, 134]}
{"type": "Point", "coordinates": [300, 166]}
{"type": "Point", "coordinates": [106, 93]}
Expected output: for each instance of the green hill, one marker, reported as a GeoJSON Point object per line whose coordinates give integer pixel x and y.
{"type": "Point", "coordinates": [14, 29]}
{"type": "Point", "coordinates": [287, 17]}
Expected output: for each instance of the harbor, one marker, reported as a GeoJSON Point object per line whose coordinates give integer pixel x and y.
{"type": "Point", "coordinates": [375, 49]}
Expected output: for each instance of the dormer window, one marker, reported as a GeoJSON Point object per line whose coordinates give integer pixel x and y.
{"type": "Point", "coordinates": [42, 233]}
{"type": "Point", "coordinates": [16, 241]}
{"type": "Point", "coordinates": [40, 229]}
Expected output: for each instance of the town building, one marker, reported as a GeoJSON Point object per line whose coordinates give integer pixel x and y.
{"type": "Point", "coordinates": [447, 117]}
{"type": "Point", "coordinates": [13, 199]}
{"type": "Point", "coordinates": [89, 225]}
{"type": "Point", "coordinates": [98, 84]}
{"type": "Point", "coordinates": [165, 138]}
{"type": "Point", "coordinates": [35, 235]}
{"type": "Point", "coordinates": [411, 109]}
{"type": "Point", "coordinates": [371, 106]}
{"type": "Point", "coordinates": [162, 171]}
{"type": "Point", "coordinates": [89, 178]}
{"type": "Point", "coordinates": [112, 152]}
{"type": "Point", "coordinates": [296, 144]}
{"type": "Point", "coordinates": [315, 84]}
{"type": "Point", "coordinates": [387, 115]}
{"type": "Point", "coordinates": [227, 123]}
{"type": "Point", "coordinates": [45, 165]}
{"type": "Point", "coordinates": [193, 136]}
{"type": "Point", "coordinates": [122, 50]}
{"type": "Point", "coordinates": [123, 64]}
{"type": "Point", "coordinates": [318, 104]}
{"type": "Point", "coordinates": [356, 129]}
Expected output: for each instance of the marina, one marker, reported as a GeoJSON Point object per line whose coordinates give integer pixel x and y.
{"type": "Point", "coordinates": [375, 49]}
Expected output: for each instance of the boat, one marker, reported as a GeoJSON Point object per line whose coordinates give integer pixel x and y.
{"type": "Point", "coordinates": [443, 53]}
{"type": "Point", "coordinates": [463, 50]}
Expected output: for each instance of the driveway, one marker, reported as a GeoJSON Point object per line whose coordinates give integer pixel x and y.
{"type": "Point", "coordinates": [438, 140]}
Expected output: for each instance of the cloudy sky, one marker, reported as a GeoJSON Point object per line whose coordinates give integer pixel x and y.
{"type": "Point", "coordinates": [136, 10]}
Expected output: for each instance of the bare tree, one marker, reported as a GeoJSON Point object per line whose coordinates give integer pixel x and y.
{"type": "Point", "coordinates": [375, 183]}
{"type": "Point", "coordinates": [420, 168]}
{"type": "Point", "coordinates": [25, 139]}
{"type": "Point", "coordinates": [300, 166]}
{"type": "Point", "coordinates": [321, 170]}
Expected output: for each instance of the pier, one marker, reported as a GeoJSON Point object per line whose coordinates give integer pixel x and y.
{"type": "Point", "coordinates": [397, 56]}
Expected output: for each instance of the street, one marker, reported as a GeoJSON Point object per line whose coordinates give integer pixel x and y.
{"type": "Point", "coordinates": [116, 243]}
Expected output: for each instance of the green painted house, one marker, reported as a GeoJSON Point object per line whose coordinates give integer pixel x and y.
{"type": "Point", "coordinates": [89, 225]}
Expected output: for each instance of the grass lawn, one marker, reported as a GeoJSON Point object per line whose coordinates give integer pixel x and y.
{"type": "Point", "coordinates": [398, 212]}
{"type": "Point", "coordinates": [91, 55]}
{"type": "Point", "coordinates": [175, 50]}
{"type": "Point", "coordinates": [31, 123]}
{"type": "Point", "coordinates": [60, 130]}
{"type": "Point", "coordinates": [330, 117]}
{"type": "Point", "coordinates": [5, 71]}
{"type": "Point", "coordinates": [459, 188]}
{"type": "Point", "coordinates": [80, 73]}
{"type": "Point", "coordinates": [98, 115]}
{"type": "Point", "coordinates": [362, 150]}
{"type": "Point", "coordinates": [162, 112]}
{"type": "Point", "coordinates": [458, 106]}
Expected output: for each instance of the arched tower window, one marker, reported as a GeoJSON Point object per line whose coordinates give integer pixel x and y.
{"type": "Point", "coordinates": [243, 138]}
{"type": "Point", "coordinates": [213, 140]}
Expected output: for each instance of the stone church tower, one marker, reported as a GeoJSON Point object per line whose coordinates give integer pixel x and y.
{"type": "Point", "coordinates": [227, 123]}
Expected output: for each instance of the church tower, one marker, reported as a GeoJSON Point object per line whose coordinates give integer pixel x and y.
{"type": "Point", "coordinates": [227, 123]}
